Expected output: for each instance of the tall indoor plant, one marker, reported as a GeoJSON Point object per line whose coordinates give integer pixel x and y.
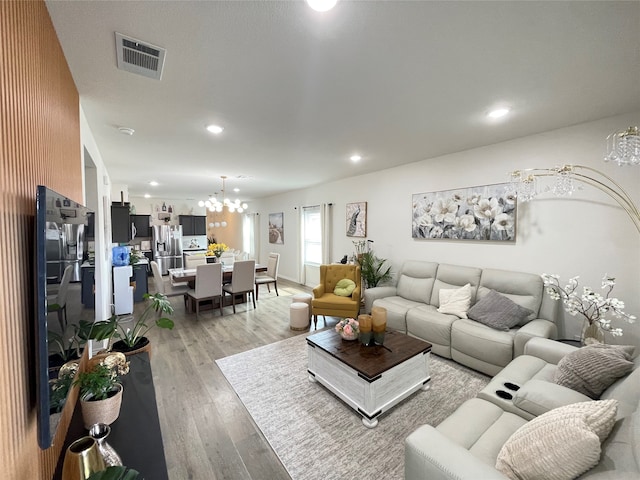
{"type": "Point", "coordinates": [372, 269]}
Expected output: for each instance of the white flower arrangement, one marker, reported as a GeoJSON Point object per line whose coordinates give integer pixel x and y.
{"type": "Point", "coordinates": [590, 304]}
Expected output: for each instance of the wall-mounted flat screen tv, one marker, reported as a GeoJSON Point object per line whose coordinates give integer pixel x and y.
{"type": "Point", "coordinates": [60, 253]}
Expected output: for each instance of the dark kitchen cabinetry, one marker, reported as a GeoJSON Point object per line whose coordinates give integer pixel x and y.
{"type": "Point", "coordinates": [142, 225]}
{"type": "Point", "coordinates": [193, 224]}
{"type": "Point", "coordinates": [91, 225]}
{"type": "Point", "coordinates": [120, 226]}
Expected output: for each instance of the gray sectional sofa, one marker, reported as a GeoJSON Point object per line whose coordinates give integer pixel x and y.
{"type": "Point", "coordinates": [467, 444]}
{"type": "Point", "coordinates": [412, 307]}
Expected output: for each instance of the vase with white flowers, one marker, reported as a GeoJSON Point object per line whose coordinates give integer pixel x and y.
{"type": "Point", "coordinates": [596, 309]}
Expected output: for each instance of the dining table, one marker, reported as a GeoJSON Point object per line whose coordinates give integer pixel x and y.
{"type": "Point", "coordinates": [188, 275]}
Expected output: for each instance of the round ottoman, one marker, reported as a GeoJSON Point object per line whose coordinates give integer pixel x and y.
{"type": "Point", "coordinates": [298, 316]}
{"type": "Point", "coordinates": [303, 298]}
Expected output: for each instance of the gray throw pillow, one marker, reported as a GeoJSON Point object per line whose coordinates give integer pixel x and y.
{"type": "Point", "coordinates": [592, 369]}
{"type": "Point", "coordinates": [497, 311]}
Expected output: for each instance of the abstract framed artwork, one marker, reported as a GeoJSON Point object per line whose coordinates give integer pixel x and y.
{"type": "Point", "coordinates": [357, 219]}
{"type": "Point", "coordinates": [276, 228]}
{"type": "Point", "coordinates": [485, 213]}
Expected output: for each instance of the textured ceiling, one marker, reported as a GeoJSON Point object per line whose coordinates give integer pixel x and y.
{"type": "Point", "coordinates": [298, 92]}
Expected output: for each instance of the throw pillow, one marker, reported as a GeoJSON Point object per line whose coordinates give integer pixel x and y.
{"type": "Point", "coordinates": [455, 301]}
{"type": "Point", "coordinates": [345, 287]}
{"type": "Point", "coordinates": [560, 444]}
{"type": "Point", "coordinates": [497, 311]}
{"type": "Point", "coordinates": [592, 369]}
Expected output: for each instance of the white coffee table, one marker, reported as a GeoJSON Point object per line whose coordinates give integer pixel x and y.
{"type": "Point", "coordinates": [371, 380]}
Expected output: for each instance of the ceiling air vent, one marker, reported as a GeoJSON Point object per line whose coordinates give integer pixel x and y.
{"type": "Point", "coordinates": [136, 56]}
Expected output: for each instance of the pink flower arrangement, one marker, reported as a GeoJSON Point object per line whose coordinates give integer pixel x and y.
{"type": "Point", "coordinates": [348, 327]}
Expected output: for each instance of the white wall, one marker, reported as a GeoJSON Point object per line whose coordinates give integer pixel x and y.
{"type": "Point", "coordinates": [586, 235]}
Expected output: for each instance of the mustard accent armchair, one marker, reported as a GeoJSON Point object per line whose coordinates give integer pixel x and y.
{"type": "Point", "coordinates": [325, 302]}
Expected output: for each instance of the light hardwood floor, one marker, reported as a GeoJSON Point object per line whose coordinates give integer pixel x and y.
{"type": "Point", "coordinates": [207, 432]}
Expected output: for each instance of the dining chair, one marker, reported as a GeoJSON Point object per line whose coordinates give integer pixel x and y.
{"type": "Point", "coordinates": [165, 287]}
{"type": "Point", "coordinates": [271, 276]}
{"type": "Point", "coordinates": [192, 261]}
{"type": "Point", "coordinates": [243, 281]}
{"type": "Point", "coordinates": [208, 285]}
{"type": "Point", "coordinates": [58, 302]}
{"type": "Point", "coordinates": [227, 258]}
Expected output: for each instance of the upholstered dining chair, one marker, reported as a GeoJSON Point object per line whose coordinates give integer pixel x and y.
{"type": "Point", "coordinates": [165, 287]}
{"type": "Point", "coordinates": [271, 276]}
{"type": "Point", "coordinates": [208, 285]}
{"type": "Point", "coordinates": [243, 280]}
{"type": "Point", "coordinates": [326, 302]}
{"type": "Point", "coordinates": [58, 302]}
{"type": "Point", "coordinates": [192, 261]}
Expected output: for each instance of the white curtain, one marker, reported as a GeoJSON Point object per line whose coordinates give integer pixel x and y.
{"type": "Point", "coordinates": [250, 238]}
{"type": "Point", "coordinates": [326, 222]}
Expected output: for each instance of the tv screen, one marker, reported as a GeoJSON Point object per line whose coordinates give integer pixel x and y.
{"type": "Point", "coordinates": [61, 251]}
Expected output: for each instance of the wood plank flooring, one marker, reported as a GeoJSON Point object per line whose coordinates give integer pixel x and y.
{"type": "Point", "coordinates": [207, 432]}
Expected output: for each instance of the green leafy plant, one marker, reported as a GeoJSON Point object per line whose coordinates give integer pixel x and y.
{"type": "Point", "coordinates": [116, 473]}
{"type": "Point", "coordinates": [59, 388]}
{"type": "Point", "coordinates": [130, 336]}
{"type": "Point", "coordinates": [69, 345]}
{"type": "Point", "coordinates": [135, 257]}
{"type": "Point", "coordinates": [100, 380]}
{"type": "Point", "coordinates": [372, 269]}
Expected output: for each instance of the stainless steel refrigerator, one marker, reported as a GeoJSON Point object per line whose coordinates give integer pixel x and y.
{"type": "Point", "coordinates": [65, 246]}
{"type": "Point", "coordinates": [167, 247]}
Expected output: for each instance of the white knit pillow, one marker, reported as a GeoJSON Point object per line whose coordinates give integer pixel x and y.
{"type": "Point", "coordinates": [560, 444]}
{"type": "Point", "coordinates": [455, 301]}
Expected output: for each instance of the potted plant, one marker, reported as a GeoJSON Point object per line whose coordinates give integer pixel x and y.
{"type": "Point", "coordinates": [132, 338]}
{"type": "Point", "coordinates": [100, 390]}
{"type": "Point", "coordinates": [372, 269]}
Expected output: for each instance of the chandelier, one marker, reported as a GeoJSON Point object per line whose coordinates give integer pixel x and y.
{"type": "Point", "coordinates": [622, 148]}
{"type": "Point", "coordinates": [215, 205]}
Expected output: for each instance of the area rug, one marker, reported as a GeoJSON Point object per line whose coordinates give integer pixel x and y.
{"type": "Point", "coordinates": [315, 435]}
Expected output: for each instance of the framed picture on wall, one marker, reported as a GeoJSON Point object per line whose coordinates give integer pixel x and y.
{"type": "Point", "coordinates": [485, 213]}
{"type": "Point", "coordinates": [276, 228]}
{"type": "Point", "coordinates": [357, 219]}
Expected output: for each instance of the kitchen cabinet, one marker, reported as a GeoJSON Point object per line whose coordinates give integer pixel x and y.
{"type": "Point", "coordinates": [120, 226]}
{"type": "Point", "coordinates": [139, 282]}
{"type": "Point", "coordinates": [142, 225]}
{"type": "Point", "coordinates": [90, 227]}
{"type": "Point", "coordinates": [193, 225]}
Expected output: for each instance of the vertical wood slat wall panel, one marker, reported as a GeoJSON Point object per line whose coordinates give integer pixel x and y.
{"type": "Point", "coordinates": [39, 145]}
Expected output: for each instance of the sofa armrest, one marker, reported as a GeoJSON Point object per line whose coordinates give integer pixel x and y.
{"type": "Point", "coordinates": [548, 350]}
{"type": "Point", "coordinates": [429, 455]}
{"type": "Point", "coordinates": [372, 294]}
{"type": "Point", "coordinates": [538, 327]}
{"type": "Point", "coordinates": [538, 397]}
{"type": "Point", "coordinates": [318, 291]}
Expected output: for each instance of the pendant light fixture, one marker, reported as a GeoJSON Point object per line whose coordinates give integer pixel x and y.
{"type": "Point", "coordinates": [214, 204]}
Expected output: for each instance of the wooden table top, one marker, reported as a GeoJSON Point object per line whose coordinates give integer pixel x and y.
{"type": "Point", "coordinates": [370, 362]}
{"type": "Point", "coordinates": [180, 275]}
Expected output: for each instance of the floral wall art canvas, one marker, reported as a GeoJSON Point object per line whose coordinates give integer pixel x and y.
{"type": "Point", "coordinates": [276, 228]}
{"type": "Point", "coordinates": [486, 213]}
{"type": "Point", "coordinates": [357, 219]}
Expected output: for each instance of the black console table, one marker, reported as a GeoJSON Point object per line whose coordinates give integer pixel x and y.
{"type": "Point", "coordinates": [135, 435]}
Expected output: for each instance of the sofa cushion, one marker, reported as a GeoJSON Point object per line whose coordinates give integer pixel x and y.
{"type": "Point", "coordinates": [344, 287]}
{"type": "Point", "coordinates": [455, 301]}
{"type": "Point", "coordinates": [397, 308]}
{"type": "Point", "coordinates": [525, 289]}
{"type": "Point", "coordinates": [569, 436]}
{"type": "Point", "coordinates": [497, 311]}
{"type": "Point", "coordinates": [591, 369]}
{"type": "Point", "coordinates": [415, 280]}
{"type": "Point", "coordinates": [427, 323]}
{"type": "Point", "coordinates": [454, 276]}
{"type": "Point", "coordinates": [478, 341]}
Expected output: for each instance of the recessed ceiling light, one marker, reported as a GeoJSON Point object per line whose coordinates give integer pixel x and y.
{"type": "Point", "coordinates": [355, 158]}
{"type": "Point", "coordinates": [146, 195]}
{"type": "Point", "coordinates": [126, 130]}
{"type": "Point", "coordinates": [153, 183]}
{"type": "Point", "coordinates": [215, 129]}
{"type": "Point", "coordinates": [498, 112]}
{"type": "Point", "coordinates": [322, 5]}
{"type": "Point", "coordinates": [236, 189]}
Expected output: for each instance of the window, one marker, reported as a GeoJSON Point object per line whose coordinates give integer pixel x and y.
{"type": "Point", "coordinates": [312, 235]}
